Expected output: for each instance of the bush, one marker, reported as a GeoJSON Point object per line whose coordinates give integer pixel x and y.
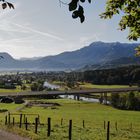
{"type": "Point", "coordinates": [6, 100]}
{"type": "Point", "coordinates": [127, 102]}
{"type": "Point", "coordinates": [19, 101]}
{"type": "Point", "coordinates": [3, 110]}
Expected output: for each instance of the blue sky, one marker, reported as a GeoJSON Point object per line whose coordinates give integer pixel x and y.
{"type": "Point", "coordinates": [42, 27]}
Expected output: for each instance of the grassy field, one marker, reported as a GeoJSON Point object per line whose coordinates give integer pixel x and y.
{"type": "Point", "coordinates": [18, 89]}
{"type": "Point", "coordinates": [9, 90]}
{"type": "Point", "coordinates": [89, 85]}
{"type": "Point", "coordinates": [93, 114]}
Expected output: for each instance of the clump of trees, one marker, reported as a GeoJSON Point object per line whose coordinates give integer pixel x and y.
{"type": "Point", "coordinates": [7, 100]}
{"type": "Point", "coordinates": [18, 100]}
{"type": "Point", "coordinates": [127, 101]}
{"type": "Point", "coordinates": [3, 110]}
{"type": "Point", "coordinates": [123, 75]}
{"type": "Point", "coordinates": [8, 86]}
{"type": "Point", "coordinates": [37, 87]}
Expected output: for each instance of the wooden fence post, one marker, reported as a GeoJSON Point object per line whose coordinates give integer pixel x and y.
{"type": "Point", "coordinates": [116, 126]}
{"type": "Point", "coordinates": [108, 130]}
{"type": "Point", "coordinates": [61, 121]}
{"type": "Point", "coordinates": [49, 127]}
{"type": "Point", "coordinates": [26, 123]}
{"type": "Point", "coordinates": [36, 125]}
{"type": "Point", "coordinates": [9, 118]}
{"type": "Point", "coordinates": [20, 121]}
{"type": "Point", "coordinates": [70, 129]}
{"type": "Point", "coordinates": [6, 120]}
{"type": "Point", "coordinates": [83, 124]}
{"type": "Point", "coordinates": [38, 119]}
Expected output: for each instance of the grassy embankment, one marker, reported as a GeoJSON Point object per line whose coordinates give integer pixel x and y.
{"type": "Point", "coordinates": [93, 114]}
{"type": "Point", "coordinates": [89, 85]}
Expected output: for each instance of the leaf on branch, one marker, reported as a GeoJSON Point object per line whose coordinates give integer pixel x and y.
{"type": "Point", "coordinates": [75, 14]}
{"type": "Point", "coordinates": [4, 5]}
{"type": "Point", "coordinates": [81, 14]}
{"type": "Point", "coordinates": [10, 5]}
{"type": "Point", "coordinates": [82, 18]}
{"type": "Point", "coordinates": [73, 5]}
{"type": "Point", "coordinates": [89, 1]}
{"type": "Point", "coordinates": [78, 10]}
{"type": "Point", "coordinates": [81, 10]}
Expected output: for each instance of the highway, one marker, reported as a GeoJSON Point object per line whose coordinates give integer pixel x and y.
{"type": "Point", "coordinates": [74, 92]}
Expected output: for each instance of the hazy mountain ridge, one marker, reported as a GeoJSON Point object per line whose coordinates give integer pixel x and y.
{"type": "Point", "coordinates": [31, 58]}
{"type": "Point", "coordinates": [121, 62]}
{"type": "Point", "coordinates": [96, 54]}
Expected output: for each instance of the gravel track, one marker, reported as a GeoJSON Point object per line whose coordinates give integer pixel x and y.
{"type": "Point", "coordinates": [9, 136]}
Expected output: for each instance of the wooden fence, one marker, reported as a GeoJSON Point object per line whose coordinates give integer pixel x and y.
{"type": "Point", "coordinates": [23, 121]}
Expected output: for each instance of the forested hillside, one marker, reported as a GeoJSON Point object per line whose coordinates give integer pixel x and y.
{"type": "Point", "coordinates": [122, 76]}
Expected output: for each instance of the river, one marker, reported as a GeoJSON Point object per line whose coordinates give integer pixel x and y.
{"type": "Point", "coordinates": [80, 98]}
{"type": "Point", "coordinates": [52, 86]}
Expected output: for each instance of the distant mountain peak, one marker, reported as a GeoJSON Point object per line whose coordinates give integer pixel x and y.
{"type": "Point", "coordinates": [96, 43]}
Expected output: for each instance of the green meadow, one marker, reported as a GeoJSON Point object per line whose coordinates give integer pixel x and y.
{"type": "Point", "coordinates": [90, 85]}
{"type": "Point", "coordinates": [94, 115]}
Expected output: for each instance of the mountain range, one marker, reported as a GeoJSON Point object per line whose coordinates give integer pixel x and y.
{"type": "Point", "coordinates": [95, 56]}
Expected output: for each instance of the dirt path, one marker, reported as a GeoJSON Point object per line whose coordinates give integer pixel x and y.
{"type": "Point", "coordinates": [22, 107]}
{"type": "Point", "coordinates": [9, 136]}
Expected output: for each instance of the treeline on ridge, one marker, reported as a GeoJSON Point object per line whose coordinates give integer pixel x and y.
{"type": "Point", "coordinates": [121, 76]}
